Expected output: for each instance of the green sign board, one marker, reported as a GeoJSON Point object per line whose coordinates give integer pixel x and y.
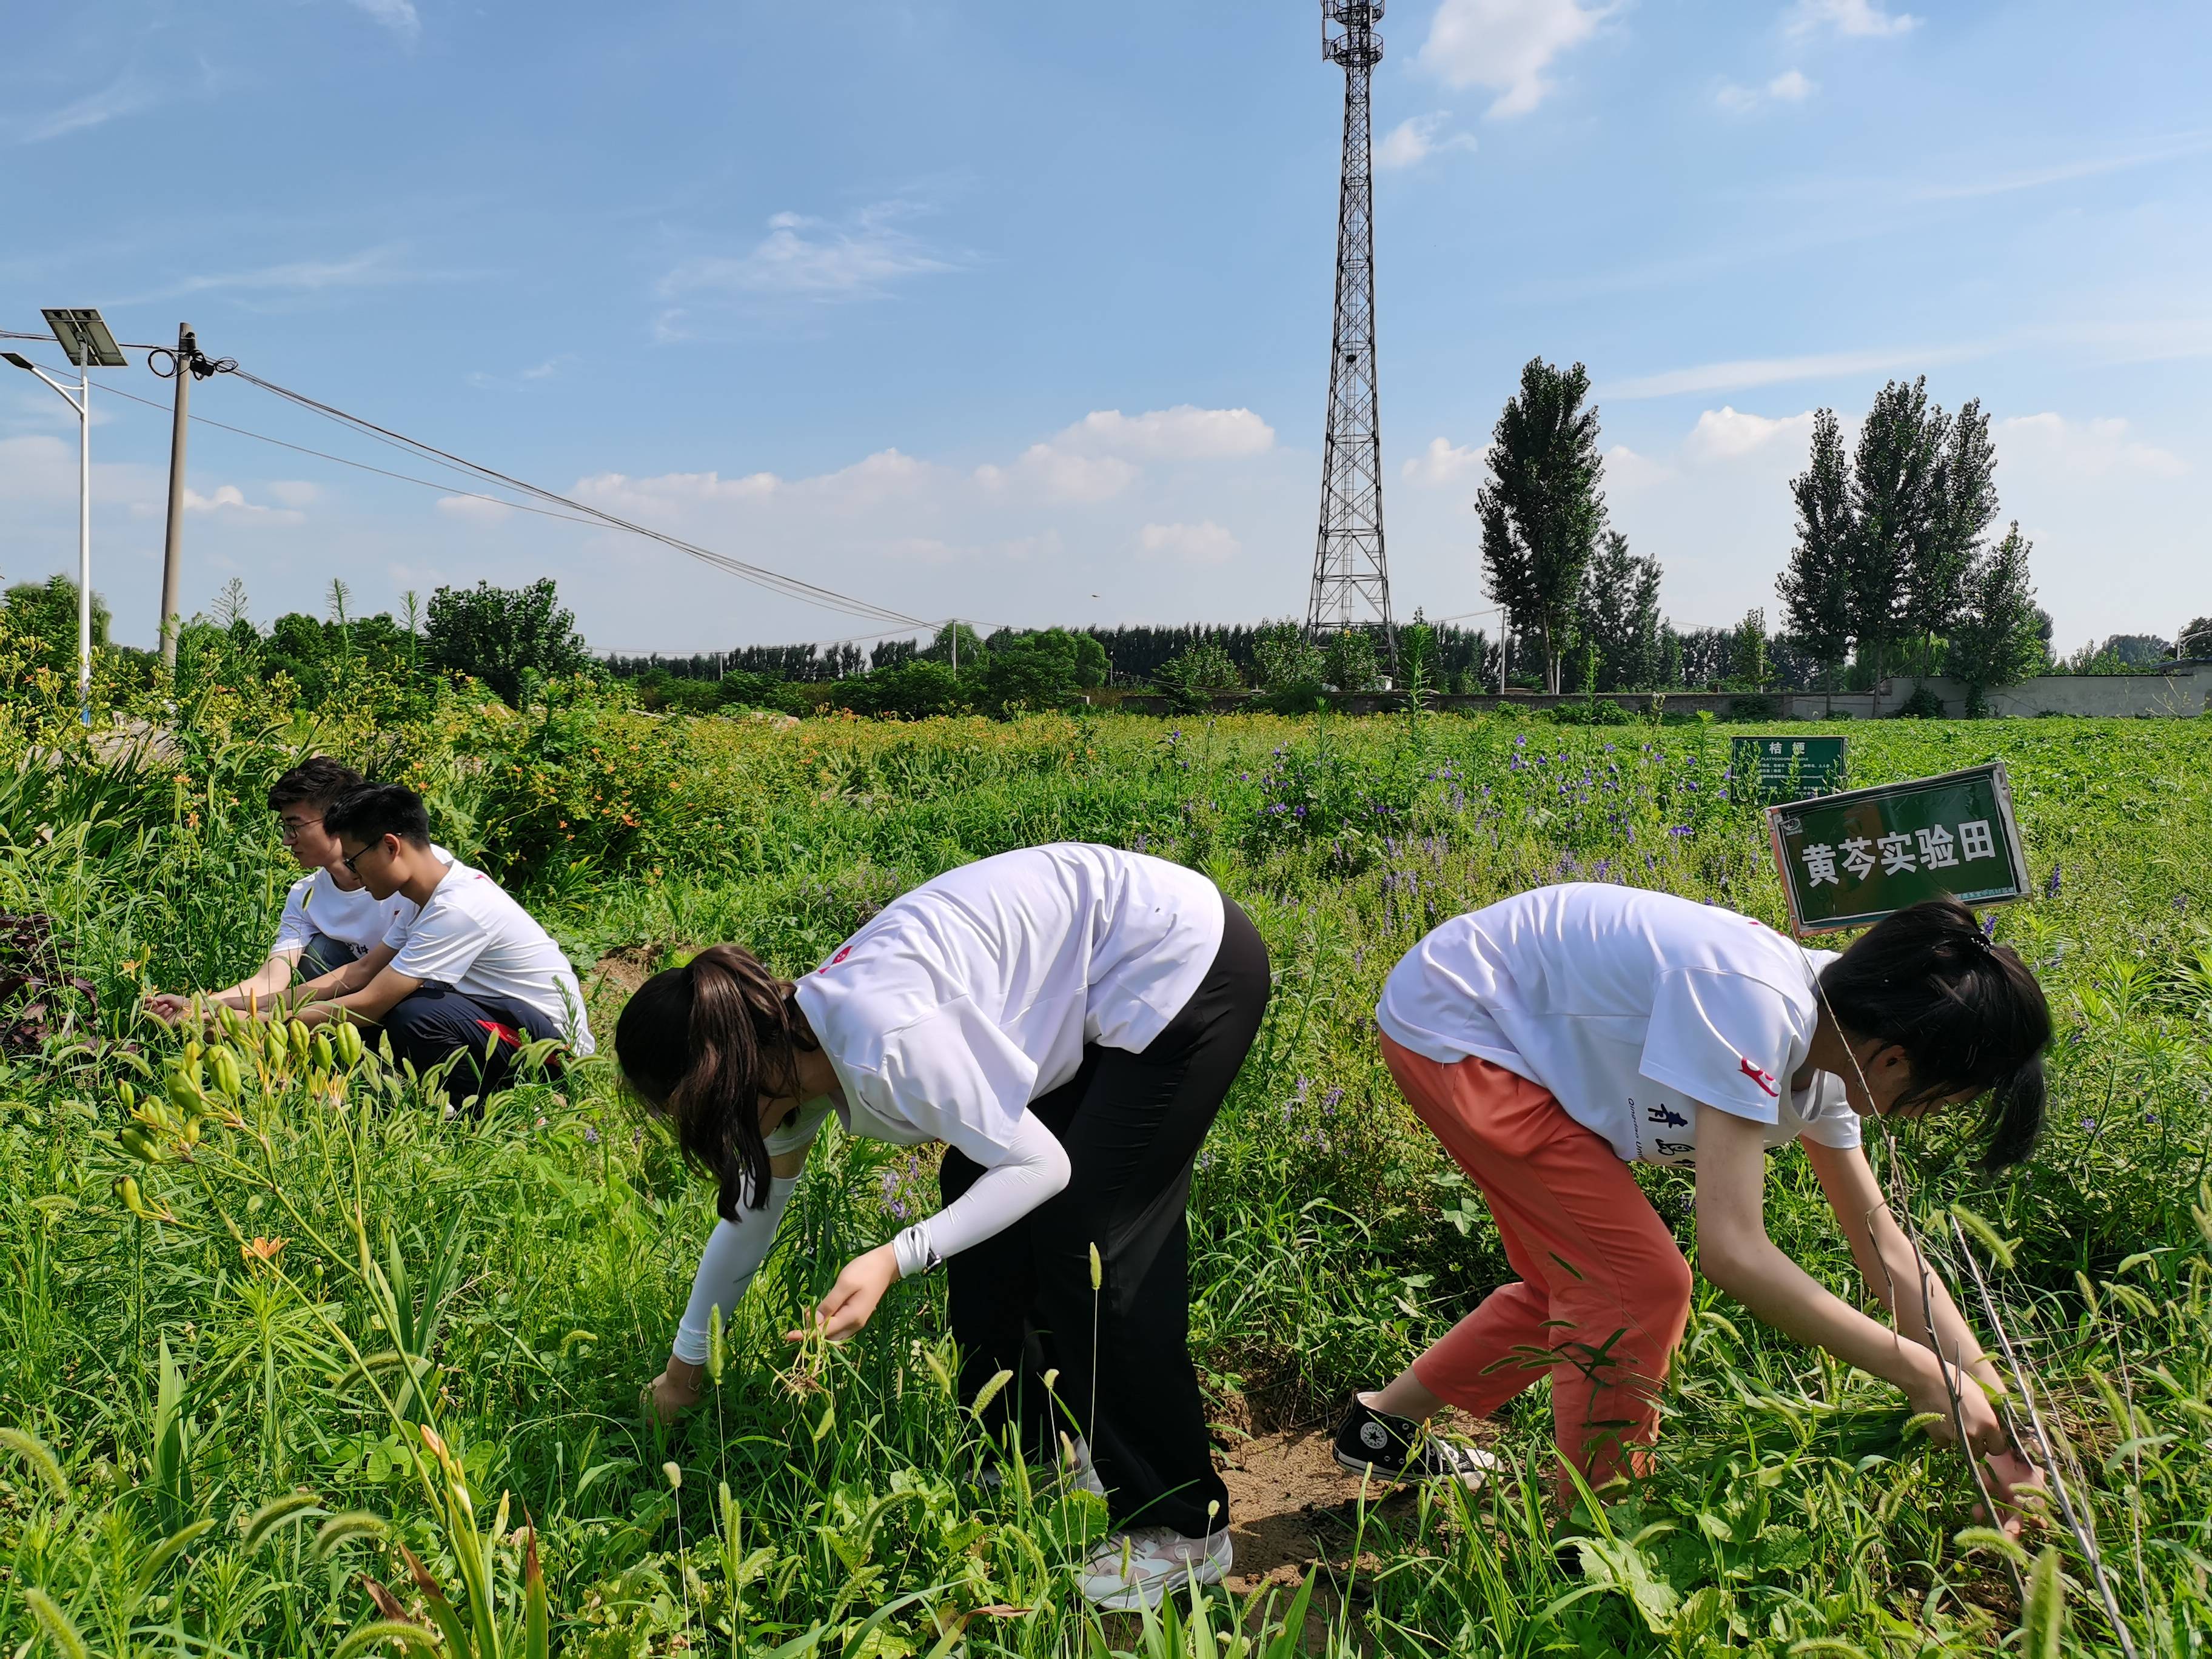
{"type": "Point", "coordinates": [1850, 860]}
{"type": "Point", "coordinates": [1788, 769]}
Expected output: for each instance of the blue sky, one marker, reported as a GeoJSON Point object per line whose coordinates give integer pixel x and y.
{"type": "Point", "coordinates": [1020, 312]}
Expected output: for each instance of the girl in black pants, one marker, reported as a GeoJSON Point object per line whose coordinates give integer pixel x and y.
{"type": "Point", "coordinates": [1068, 1019]}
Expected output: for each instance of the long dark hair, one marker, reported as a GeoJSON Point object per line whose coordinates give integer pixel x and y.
{"type": "Point", "coordinates": [1969, 1014]}
{"type": "Point", "coordinates": [699, 1045]}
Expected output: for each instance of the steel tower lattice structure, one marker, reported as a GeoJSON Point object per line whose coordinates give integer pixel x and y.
{"type": "Point", "coordinates": [1350, 583]}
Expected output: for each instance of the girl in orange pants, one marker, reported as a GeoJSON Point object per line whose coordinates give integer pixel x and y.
{"type": "Point", "coordinates": [1552, 1040]}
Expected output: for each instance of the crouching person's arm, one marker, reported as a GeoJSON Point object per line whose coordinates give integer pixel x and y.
{"type": "Point", "coordinates": [734, 1252]}
{"type": "Point", "coordinates": [256, 994]}
{"type": "Point", "coordinates": [1734, 1252]}
{"type": "Point", "coordinates": [380, 991]}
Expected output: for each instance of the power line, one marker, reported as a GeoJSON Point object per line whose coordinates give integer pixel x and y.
{"type": "Point", "coordinates": [325, 455]}
{"type": "Point", "coordinates": [758, 575]}
{"type": "Point", "coordinates": [773, 581]}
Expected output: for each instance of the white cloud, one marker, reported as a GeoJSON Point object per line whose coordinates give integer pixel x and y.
{"type": "Point", "coordinates": [1506, 45]}
{"type": "Point", "coordinates": [230, 501]}
{"type": "Point", "coordinates": [376, 267]}
{"type": "Point", "coordinates": [1864, 19]}
{"type": "Point", "coordinates": [1441, 464]}
{"type": "Point", "coordinates": [1416, 138]}
{"type": "Point", "coordinates": [1193, 543]}
{"type": "Point", "coordinates": [1628, 470]}
{"type": "Point", "coordinates": [1058, 475]}
{"type": "Point", "coordinates": [474, 509]}
{"type": "Point", "coordinates": [1095, 460]}
{"type": "Point", "coordinates": [2091, 448]}
{"type": "Point", "coordinates": [125, 95]}
{"type": "Point", "coordinates": [1725, 434]}
{"type": "Point", "coordinates": [397, 15]}
{"type": "Point", "coordinates": [1791, 86]}
{"type": "Point", "coordinates": [1747, 371]}
{"type": "Point", "coordinates": [1185, 433]}
{"type": "Point", "coordinates": [816, 262]}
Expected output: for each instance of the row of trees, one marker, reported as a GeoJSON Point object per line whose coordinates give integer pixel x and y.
{"type": "Point", "coordinates": [1892, 557]}
{"type": "Point", "coordinates": [1894, 567]}
{"type": "Point", "coordinates": [505, 638]}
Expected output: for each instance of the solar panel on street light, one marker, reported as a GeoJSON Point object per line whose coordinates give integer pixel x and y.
{"type": "Point", "coordinates": [83, 334]}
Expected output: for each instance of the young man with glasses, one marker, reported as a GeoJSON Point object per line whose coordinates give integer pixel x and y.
{"type": "Point", "coordinates": [331, 921]}
{"type": "Point", "coordinates": [462, 970]}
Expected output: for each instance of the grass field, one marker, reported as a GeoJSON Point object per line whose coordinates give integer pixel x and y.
{"type": "Point", "coordinates": [335, 1337]}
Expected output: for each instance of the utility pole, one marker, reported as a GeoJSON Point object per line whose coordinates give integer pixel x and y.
{"type": "Point", "coordinates": [1350, 585]}
{"type": "Point", "coordinates": [85, 340]}
{"type": "Point", "coordinates": [173, 543]}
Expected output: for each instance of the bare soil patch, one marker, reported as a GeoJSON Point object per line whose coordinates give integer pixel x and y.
{"type": "Point", "coordinates": [1291, 1509]}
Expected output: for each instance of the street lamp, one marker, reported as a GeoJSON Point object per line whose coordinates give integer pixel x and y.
{"type": "Point", "coordinates": [2204, 634]}
{"type": "Point", "coordinates": [86, 342]}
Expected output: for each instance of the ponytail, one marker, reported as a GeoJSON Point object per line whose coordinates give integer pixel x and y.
{"type": "Point", "coordinates": [699, 1045]}
{"type": "Point", "coordinates": [1968, 1012]}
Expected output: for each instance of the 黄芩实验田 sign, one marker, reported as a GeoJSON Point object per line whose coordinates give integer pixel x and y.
{"type": "Point", "coordinates": [1848, 860]}
{"type": "Point", "coordinates": [1788, 769]}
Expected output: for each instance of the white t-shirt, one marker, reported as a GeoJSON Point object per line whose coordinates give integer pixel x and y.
{"type": "Point", "coordinates": [318, 904]}
{"type": "Point", "coordinates": [974, 993]}
{"type": "Point", "coordinates": [1632, 1009]}
{"type": "Point", "coordinates": [471, 936]}
{"type": "Point", "coordinates": [961, 1002]}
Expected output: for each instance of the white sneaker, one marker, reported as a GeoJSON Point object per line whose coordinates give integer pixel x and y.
{"type": "Point", "coordinates": [1085, 1473]}
{"type": "Point", "coordinates": [1140, 1567]}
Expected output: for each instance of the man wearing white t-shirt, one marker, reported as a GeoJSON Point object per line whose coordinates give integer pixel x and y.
{"type": "Point", "coordinates": [330, 920]}
{"type": "Point", "coordinates": [1556, 1038]}
{"type": "Point", "coordinates": [468, 972]}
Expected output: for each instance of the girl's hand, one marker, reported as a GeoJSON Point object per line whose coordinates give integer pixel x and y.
{"type": "Point", "coordinates": [853, 1299]}
{"type": "Point", "coordinates": [677, 1390]}
{"type": "Point", "coordinates": [1985, 1433]}
{"type": "Point", "coordinates": [2017, 1485]}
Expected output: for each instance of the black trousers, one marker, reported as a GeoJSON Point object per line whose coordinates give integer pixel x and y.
{"type": "Point", "coordinates": [1022, 1301]}
{"type": "Point", "coordinates": [323, 955]}
{"type": "Point", "coordinates": [435, 1021]}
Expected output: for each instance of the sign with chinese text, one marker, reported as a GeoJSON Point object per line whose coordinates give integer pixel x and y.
{"type": "Point", "coordinates": [1787, 768]}
{"type": "Point", "coordinates": [1850, 860]}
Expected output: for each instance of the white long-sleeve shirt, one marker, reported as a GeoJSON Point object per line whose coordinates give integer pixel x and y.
{"type": "Point", "coordinates": [962, 1001]}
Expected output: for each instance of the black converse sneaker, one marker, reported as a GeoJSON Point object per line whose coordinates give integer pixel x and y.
{"type": "Point", "coordinates": [1375, 1443]}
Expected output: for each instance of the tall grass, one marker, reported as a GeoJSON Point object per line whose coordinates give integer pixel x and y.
{"type": "Point", "coordinates": [331, 1364]}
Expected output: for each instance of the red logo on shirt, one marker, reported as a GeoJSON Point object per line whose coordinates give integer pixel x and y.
{"type": "Point", "coordinates": [835, 960]}
{"type": "Point", "coordinates": [1763, 1079]}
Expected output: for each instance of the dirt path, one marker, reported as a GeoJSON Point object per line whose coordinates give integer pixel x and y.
{"type": "Point", "coordinates": [1292, 1508]}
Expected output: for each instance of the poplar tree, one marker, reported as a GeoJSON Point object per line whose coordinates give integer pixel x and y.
{"type": "Point", "coordinates": [1999, 639]}
{"type": "Point", "coordinates": [1620, 615]}
{"type": "Point", "coordinates": [1815, 586]}
{"type": "Point", "coordinates": [1542, 511]}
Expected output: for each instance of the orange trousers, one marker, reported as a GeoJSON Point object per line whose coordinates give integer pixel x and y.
{"type": "Point", "coordinates": [1604, 1293]}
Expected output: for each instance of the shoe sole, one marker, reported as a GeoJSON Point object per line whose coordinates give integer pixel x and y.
{"type": "Point", "coordinates": [1403, 1477]}
{"type": "Point", "coordinates": [1138, 1597]}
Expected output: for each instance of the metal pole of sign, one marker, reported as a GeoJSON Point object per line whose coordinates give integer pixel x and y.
{"type": "Point", "coordinates": [84, 537]}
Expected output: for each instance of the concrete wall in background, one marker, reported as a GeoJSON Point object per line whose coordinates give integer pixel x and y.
{"type": "Point", "coordinates": [2183, 689]}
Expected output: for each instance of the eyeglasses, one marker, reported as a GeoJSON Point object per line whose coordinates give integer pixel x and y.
{"type": "Point", "coordinates": [352, 860]}
{"type": "Point", "coordinates": [289, 830]}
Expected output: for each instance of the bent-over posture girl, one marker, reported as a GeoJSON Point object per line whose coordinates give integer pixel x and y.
{"type": "Point", "coordinates": [1068, 1019]}
{"type": "Point", "coordinates": [1552, 1039]}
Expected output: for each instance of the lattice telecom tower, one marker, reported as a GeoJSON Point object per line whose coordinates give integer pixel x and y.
{"type": "Point", "coordinates": [1350, 585]}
